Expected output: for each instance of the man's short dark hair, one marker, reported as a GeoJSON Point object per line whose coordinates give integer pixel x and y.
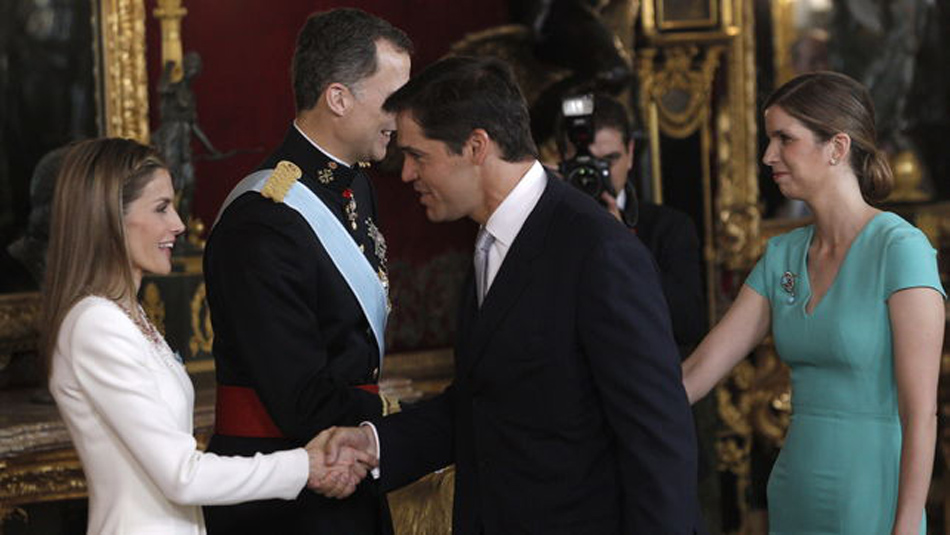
{"type": "Point", "coordinates": [608, 113]}
{"type": "Point", "coordinates": [456, 95]}
{"type": "Point", "coordinates": [339, 46]}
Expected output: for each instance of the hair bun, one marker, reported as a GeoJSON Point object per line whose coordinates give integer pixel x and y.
{"type": "Point", "coordinates": [876, 179]}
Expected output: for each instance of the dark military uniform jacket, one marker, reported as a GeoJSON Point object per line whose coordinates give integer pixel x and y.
{"type": "Point", "coordinates": [287, 325]}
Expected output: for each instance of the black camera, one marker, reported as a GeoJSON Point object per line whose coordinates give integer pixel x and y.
{"type": "Point", "coordinates": [587, 173]}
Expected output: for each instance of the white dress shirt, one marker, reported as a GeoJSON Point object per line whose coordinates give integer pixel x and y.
{"type": "Point", "coordinates": [506, 221]}
{"type": "Point", "coordinates": [128, 405]}
{"type": "Point", "coordinates": [622, 200]}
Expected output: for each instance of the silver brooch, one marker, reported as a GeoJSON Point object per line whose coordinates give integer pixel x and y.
{"type": "Point", "coordinates": [788, 284]}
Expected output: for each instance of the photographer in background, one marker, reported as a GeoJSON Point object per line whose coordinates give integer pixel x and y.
{"type": "Point", "coordinates": [601, 169]}
{"type": "Point", "coordinates": [595, 139]}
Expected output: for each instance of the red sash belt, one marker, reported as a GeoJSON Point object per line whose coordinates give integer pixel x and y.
{"type": "Point", "coordinates": [238, 412]}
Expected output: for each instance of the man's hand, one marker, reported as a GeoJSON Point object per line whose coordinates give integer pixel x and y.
{"type": "Point", "coordinates": [337, 478]}
{"type": "Point", "coordinates": [359, 438]}
{"type": "Point", "coordinates": [610, 202]}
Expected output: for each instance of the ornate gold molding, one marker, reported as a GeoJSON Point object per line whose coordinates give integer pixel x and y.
{"type": "Point", "coordinates": [680, 89]}
{"type": "Point", "coordinates": [783, 36]}
{"type": "Point", "coordinates": [122, 69]}
{"type": "Point", "coordinates": [771, 400]}
{"type": "Point", "coordinates": [202, 334]}
{"type": "Point", "coordinates": [40, 478]}
{"type": "Point", "coordinates": [753, 398]}
{"type": "Point", "coordinates": [19, 316]}
{"type": "Point", "coordinates": [170, 13]}
{"type": "Point", "coordinates": [123, 110]}
{"type": "Point", "coordinates": [154, 306]}
{"type": "Point", "coordinates": [676, 101]}
{"type": "Point", "coordinates": [737, 204]}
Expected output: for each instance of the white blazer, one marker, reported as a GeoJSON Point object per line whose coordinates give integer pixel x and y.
{"type": "Point", "coordinates": [128, 404]}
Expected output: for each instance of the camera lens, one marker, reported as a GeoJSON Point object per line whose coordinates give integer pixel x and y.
{"type": "Point", "coordinates": [587, 179]}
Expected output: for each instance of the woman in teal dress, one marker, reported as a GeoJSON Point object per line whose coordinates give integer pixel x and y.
{"type": "Point", "coordinates": [855, 306]}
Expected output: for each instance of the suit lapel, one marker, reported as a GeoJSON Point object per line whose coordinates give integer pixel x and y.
{"type": "Point", "coordinates": [512, 278]}
{"type": "Point", "coordinates": [467, 314]}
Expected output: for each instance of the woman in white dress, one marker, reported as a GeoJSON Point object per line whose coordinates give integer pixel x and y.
{"type": "Point", "coordinates": [126, 399]}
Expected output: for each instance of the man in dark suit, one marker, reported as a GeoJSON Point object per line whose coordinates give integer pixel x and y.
{"type": "Point", "coordinates": [669, 234]}
{"type": "Point", "coordinates": [567, 413]}
{"type": "Point", "coordinates": [298, 344]}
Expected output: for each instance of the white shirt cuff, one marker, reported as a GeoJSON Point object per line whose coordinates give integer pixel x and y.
{"type": "Point", "coordinates": [375, 471]}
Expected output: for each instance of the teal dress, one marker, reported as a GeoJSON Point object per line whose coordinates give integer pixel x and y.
{"type": "Point", "coordinates": [837, 473]}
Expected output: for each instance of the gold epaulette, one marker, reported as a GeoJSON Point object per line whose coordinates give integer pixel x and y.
{"type": "Point", "coordinates": [280, 181]}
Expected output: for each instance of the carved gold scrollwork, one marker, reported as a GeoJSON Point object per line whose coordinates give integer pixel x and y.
{"type": "Point", "coordinates": [154, 306]}
{"type": "Point", "coordinates": [43, 477]}
{"type": "Point", "coordinates": [749, 401]}
{"type": "Point", "coordinates": [680, 89]}
{"type": "Point", "coordinates": [739, 241]}
{"type": "Point", "coordinates": [202, 334]}
{"type": "Point", "coordinates": [7, 513]}
{"type": "Point", "coordinates": [754, 400]}
{"type": "Point", "coordinates": [19, 314]}
{"type": "Point", "coordinates": [125, 82]}
{"type": "Point", "coordinates": [737, 204]}
{"type": "Point", "coordinates": [771, 406]}
{"type": "Point", "coordinates": [734, 443]}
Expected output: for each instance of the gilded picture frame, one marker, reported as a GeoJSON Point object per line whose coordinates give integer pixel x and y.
{"type": "Point", "coordinates": [687, 14]}
{"type": "Point", "coordinates": [122, 110]}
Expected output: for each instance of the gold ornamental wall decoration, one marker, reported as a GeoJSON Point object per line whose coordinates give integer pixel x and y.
{"type": "Point", "coordinates": [40, 477]}
{"type": "Point", "coordinates": [202, 335]}
{"type": "Point", "coordinates": [680, 89]}
{"type": "Point", "coordinates": [739, 241]}
{"type": "Point", "coordinates": [170, 13]}
{"type": "Point", "coordinates": [771, 403]}
{"type": "Point", "coordinates": [122, 69]}
{"type": "Point", "coordinates": [154, 306]}
{"type": "Point", "coordinates": [19, 317]}
{"type": "Point", "coordinates": [734, 405]}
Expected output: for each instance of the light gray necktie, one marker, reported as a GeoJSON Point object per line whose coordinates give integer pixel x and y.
{"type": "Point", "coordinates": [482, 245]}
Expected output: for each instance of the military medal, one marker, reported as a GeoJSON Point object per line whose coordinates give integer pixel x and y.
{"type": "Point", "coordinates": [384, 281]}
{"type": "Point", "coordinates": [379, 242]}
{"type": "Point", "coordinates": [788, 284]}
{"type": "Point", "coordinates": [325, 176]}
{"type": "Point", "coordinates": [350, 208]}
{"type": "Point", "coordinates": [379, 249]}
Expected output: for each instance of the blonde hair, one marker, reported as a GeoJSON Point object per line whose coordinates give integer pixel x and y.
{"type": "Point", "coordinates": [87, 252]}
{"type": "Point", "coordinates": [828, 103]}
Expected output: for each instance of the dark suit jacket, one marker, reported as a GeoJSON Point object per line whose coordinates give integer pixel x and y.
{"type": "Point", "coordinates": [287, 325]}
{"type": "Point", "coordinates": [567, 414]}
{"type": "Point", "coordinates": [671, 237]}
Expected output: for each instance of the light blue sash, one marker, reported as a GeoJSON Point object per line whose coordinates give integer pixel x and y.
{"type": "Point", "coordinates": [346, 256]}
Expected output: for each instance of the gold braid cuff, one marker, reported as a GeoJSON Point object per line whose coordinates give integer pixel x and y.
{"type": "Point", "coordinates": [280, 181]}
{"type": "Point", "coordinates": [390, 405]}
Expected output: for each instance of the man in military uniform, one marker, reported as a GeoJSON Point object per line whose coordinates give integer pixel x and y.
{"type": "Point", "coordinates": [296, 275]}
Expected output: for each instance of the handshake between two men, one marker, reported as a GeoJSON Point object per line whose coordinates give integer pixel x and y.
{"type": "Point", "coordinates": [340, 457]}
